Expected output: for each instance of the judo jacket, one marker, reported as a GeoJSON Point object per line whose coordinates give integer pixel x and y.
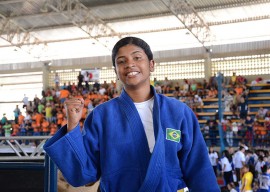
{"type": "Point", "coordinates": [113, 147]}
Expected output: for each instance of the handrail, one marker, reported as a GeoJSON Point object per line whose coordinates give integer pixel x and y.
{"type": "Point", "coordinates": [22, 152]}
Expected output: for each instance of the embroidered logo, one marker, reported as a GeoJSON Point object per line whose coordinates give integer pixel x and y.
{"type": "Point", "coordinates": [173, 135]}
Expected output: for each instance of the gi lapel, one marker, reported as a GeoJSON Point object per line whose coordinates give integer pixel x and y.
{"type": "Point", "coordinates": [157, 162]}
{"type": "Point", "coordinates": [139, 136]}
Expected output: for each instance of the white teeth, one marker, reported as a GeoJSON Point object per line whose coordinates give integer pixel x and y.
{"type": "Point", "coordinates": [132, 73]}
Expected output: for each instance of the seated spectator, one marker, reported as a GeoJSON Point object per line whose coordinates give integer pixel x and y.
{"type": "Point", "coordinates": [177, 89]}
{"type": "Point", "coordinates": [212, 93]}
{"type": "Point", "coordinates": [166, 86]}
{"type": "Point", "coordinates": [193, 87]}
{"type": "Point", "coordinates": [228, 101]}
{"type": "Point", "coordinates": [261, 113]}
{"type": "Point", "coordinates": [198, 103]}
{"type": "Point", "coordinates": [102, 90]}
{"type": "Point", "coordinates": [185, 88]}
{"type": "Point", "coordinates": [241, 80]}
{"type": "Point", "coordinates": [205, 130]}
{"type": "Point", "coordinates": [158, 88]}
{"type": "Point", "coordinates": [260, 132]}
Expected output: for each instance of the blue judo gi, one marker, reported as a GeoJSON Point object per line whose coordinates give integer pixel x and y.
{"type": "Point", "coordinates": [113, 148]}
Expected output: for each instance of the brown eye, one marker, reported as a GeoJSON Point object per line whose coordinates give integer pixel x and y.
{"type": "Point", "coordinates": [119, 62]}
{"type": "Point", "coordinates": [137, 58]}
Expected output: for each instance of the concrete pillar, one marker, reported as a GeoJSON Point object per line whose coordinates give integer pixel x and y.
{"type": "Point", "coordinates": [45, 75]}
{"type": "Point", "coordinates": [207, 65]}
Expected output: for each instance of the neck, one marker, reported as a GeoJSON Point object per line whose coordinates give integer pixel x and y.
{"type": "Point", "coordinates": [139, 95]}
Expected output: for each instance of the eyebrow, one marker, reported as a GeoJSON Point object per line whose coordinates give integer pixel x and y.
{"type": "Point", "coordinates": [134, 52]}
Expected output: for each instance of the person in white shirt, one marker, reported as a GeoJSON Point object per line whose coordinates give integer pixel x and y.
{"type": "Point", "coordinates": [213, 157]}
{"type": "Point", "coordinates": [239, 161]}
{"type": "Point", "coordinates": [259, 165]}
{"type": "Point", "coordinates": [226, 167]}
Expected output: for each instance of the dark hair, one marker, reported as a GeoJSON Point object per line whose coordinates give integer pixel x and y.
{"type": "Point", "coordinates": [265, 168]}
{"type": "Point", "coordinates": [133, 41]}
{"type": "Point", "coordinates": [227, 154]}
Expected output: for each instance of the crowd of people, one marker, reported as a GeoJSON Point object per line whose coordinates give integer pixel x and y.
{"type": "Point", "coordinates": [44, 116]}
{"type": "Point", "coordinates": [243, 170]}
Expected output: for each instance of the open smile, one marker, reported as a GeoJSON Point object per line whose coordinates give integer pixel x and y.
{"type": "Point", "coordinates": [132, 74]}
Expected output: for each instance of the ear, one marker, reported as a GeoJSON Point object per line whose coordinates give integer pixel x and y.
{"type": "Point", "coordinates": [152, 65]}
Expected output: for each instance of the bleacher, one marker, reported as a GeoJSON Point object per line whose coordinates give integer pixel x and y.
{"type": "Point", "coordinates": [259, 96]}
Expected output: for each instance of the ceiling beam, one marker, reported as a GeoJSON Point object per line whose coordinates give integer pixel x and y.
{"type": "Point", "coordinates": [19, 37]}
{"type": "Point", "coordinates": [189, 17]}
{"type": "Point", "coordinates": [82, 17]}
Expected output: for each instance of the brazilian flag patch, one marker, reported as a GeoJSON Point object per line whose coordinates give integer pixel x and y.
{"type": "Point", "coordinates": [173, 135]}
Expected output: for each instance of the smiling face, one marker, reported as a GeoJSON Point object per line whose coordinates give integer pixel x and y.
{"type": "Point", "coordinates": [133, 67]}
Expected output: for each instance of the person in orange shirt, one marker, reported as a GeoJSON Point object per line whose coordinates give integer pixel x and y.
{"type": "Point", "coordinates": [53, 128]}
{"type": "Point", "coordinates": [20, 118]}
{"type": "Point", "coordinates": [64, 93]}
{"type": "Point", "coordinates": [212, 93]}
{"type": "Point", "coordinates": [260, 133]}
{"type": "Point", "coordinates": [15, 129]}
{"type": "Point", "coordinates": [84, 113]}
{"type": "Point", "coordinates": [38, 117]}
{"type": "Point", "coordinates": [45, 127]}
{"type": "Point", "coordinates": [59, 117]}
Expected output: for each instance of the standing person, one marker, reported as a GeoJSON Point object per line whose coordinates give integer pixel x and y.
{"type": "Point", "coordinates": [16, 112]}
{"type": "Point", "coordinates": [80, 78]}
{"type": "Point", "coordinates": [226, 167]}
{"type": "Point", "coordinates": [25, 101]}
{"type": "Point", "coordinates": [56, 80]}
{"type": "Point", "coordinates": [239, 161]}
{"type": "Point", "coordinates": [264, 179]}
{"type": "Point", "coordinates": [139, 141]}
{"type": "Point", "coordinates": [246, 182]}
{"type": "Point", "coordinates": [213, 156]}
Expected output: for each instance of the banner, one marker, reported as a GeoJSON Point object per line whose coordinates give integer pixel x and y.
{"type": "Point", "coordinates": [90, 74]}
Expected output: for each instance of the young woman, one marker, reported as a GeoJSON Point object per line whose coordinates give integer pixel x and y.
{"type": "Point", "coordinates": [247, 178]}
{"type": "Point", "coordinates": [226, 167]}
{"type": "Point", "coordinates": [139, 141]}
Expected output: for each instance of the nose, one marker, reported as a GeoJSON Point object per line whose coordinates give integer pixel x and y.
{"type": "Point", "coordinates": [129, 63]}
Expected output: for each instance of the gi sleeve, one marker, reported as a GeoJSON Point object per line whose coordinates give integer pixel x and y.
{"type": "Point", "coordinates": [193, 157]}
{"type": "Point", "coordinates": [79, 164]}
